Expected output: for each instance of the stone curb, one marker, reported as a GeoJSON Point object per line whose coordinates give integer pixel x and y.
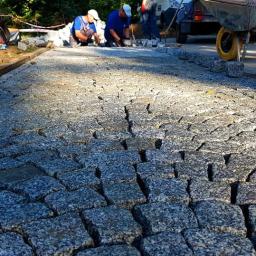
{"type": "Point", "coordinates": [214, 64]}
{"type": "Point", "coordinates": [5, 68]}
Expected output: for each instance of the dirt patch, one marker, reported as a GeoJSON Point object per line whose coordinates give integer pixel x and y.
{"type": "Point", "coordinates": [12, 54]}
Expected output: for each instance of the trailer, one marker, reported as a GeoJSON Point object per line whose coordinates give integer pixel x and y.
{"type": "Point", "coordinates": [238, 20]}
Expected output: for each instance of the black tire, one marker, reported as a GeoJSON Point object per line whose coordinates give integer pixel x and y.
{"type": "Point", "coordinates": [180, 37]}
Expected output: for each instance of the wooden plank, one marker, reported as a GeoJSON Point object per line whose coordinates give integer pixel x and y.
{"type": "Point", "coordinates": [5, 68]}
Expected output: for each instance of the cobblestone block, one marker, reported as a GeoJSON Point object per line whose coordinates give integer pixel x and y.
{"type": "Point", "coordinates": [13, 216]}
{"type": "Point", "coordinates": [253, 177]}
{"type": "Point", "coordinates": [219, 147]}
{"type": "Point", "coordinates": [12, 244]}
{"type": "Point", "coordinates": [148, 133]}
{"type": "Point", "coordinates": [152, 171]}
{"type": "Point", "coordinates": [15, 175]}
{"type": "Point", "coordinates": [8, 163]}
{"type": "Point", "coordinates": [38, 187]}
{"type": "Point", "coordinates": [57, 236]}
{"type": "Point", "coordinates": [220, 217]}
{"type": "Point", "coordinates": [160, 217]}
{"type": "Point", "coordinates": [13, 151]}
{"type": "Point", "coordinates": [189, 170]}
{"type": "Point", "coordinates": [96, 159]}
{"type": "Point", "coordinates": [52, 167]}
{"type": "Point", "coordinates": [112, 135]}
{"type": "Point", "coordinates": [114, 250]}
{"type": "Point", "coordinates": [162, 157]}
{"type": "Point", "coordinates": [124, 195]}
{"type": "Point", "coordinates": [37, 156]}
{"type": "Point", "coordinates": [8, 199]}
{"type": "Point", "coordinates": [234, 69]}
{"type": "Point", "coordinates": [112, 225]}
{"type": "Point", "coordinates": [167, 190]}
{"type": "Point", "coordinates": [116, 173]}
{"type": "Point", "coordinates": [229, 174]}
{"type": "Point", "coordinates": [140, 143]}
{"type": "Point", "coordinates": [97, 145]}
{"type": "Point", "coordinates": [180, 145]}
{"type": "Point", "coordinates": [205, 243]}
{"type": "Point", "coordinates": [218, 66]}
{"type": "Point", "coordinates": [183, 55]}
{"type": "Point", "coordinates": [166, 243]}
{"type": "Point", "coordinates": [84, 198]}
{"type": "Point", "coordinates": [252, 222]}
{"type": "Point", "coordinates": [80, 178]}
{"type": "Point", "coordinates": [246, 193]}
{"type": "Point", "coordinates": [206, 190]}
{"type": "Point", "coordinates": [203, 157]}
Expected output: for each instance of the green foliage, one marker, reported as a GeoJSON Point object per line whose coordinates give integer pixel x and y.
{"type": "Point", "coordinates": [51, 12]}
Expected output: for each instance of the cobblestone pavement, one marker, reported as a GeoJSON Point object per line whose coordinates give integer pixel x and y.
{"type": "Point", "coordinates": [133, 152]}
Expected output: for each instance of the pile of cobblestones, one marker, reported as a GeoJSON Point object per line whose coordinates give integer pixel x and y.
{"type": "Point", "coordinates": [101, 155]}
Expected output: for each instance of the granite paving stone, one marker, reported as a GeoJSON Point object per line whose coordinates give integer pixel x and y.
{"type": "Point", "coordinates": [230, 174]}
{"type": "Point", "coordinates": [165, 243]}
{"type": "Point", "coordinates": [57, 236]}
{"type": "Point", "coordinates": [114, 250]}
{"type": "Point", "coordinates": [204, 243]}
{"type": "Point", "coordinates": [52, 167]}
{"type": "Point", "coordinates": [36, 156]}
{"type": "Point", "coordinates": [112, 225]}
{"type": "Point", "coordinates": [167, 190]}
{"type": "Point", "coordinates": [140, 143]}
{"type": "Point", "coordinates": [152, 171]}
{"type": "Point", "coordinates": [84, 198]}
{"type": "Point", "coordinates": [117, 172]}
{"type": "Point", "coordinates": [246, 193]}
{"type": "Point", "coordinates": [204, 157]}
{"type": "Point", "coordinates": [189, 170]}
{"type": "Point", "coordinates": [14, 175]}
{"type": "Point", "coordinates": [160, 217]}
{"type": "Point", "coordinates": [201, 190]}
{"type": "Point", "coordinates": [180, 145]}
{"type": "Point", "coordinates": [220, 217]}
{"type": "Point", "coordinates": [124, 194]}
{"type": "Point", "coordinates": [8, 163]}
{"type": "Point", "coordinates": [99, 158]}
{"type": "Point", "coordinates": [252, 222]}
{"type": "Point", "coordinates": [13, 216]}
{"type": "Point", "coordinates": [97, 145]}
{"type": "Point", "coordinates": [113, 135]}
{"type": "Point", "coordinates": [239, 167]}
{"type": "Point", "coordinates": [12, 244]}
{"type": "Point", "coordinates": [159, 156]}
{"type": "Point", "coordinates": [38, 187]}
{"type": "Point", "coordinates": [8, 198]}
{"type": "Point", "coordinates": [253, 177]}
{"type": "Point", "coordinates": [76, 179]}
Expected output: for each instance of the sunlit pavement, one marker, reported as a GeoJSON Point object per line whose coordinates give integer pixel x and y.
{"type": "Point", "coordinates": [206, 45]}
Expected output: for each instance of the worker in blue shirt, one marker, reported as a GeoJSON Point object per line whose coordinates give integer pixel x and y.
{"type": "Point", "coordinates": [117, 27]}
{"type": "Point", "coordinates": [83, 29]}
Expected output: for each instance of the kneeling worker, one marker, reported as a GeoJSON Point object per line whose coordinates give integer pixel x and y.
{"type": "Point", "coordinates": [84, 29]}
{"type": "Point", "coordinates": [117, 27]}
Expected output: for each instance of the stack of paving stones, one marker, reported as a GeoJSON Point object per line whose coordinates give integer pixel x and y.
{"type": "Point", "coordinates": [154, 163]}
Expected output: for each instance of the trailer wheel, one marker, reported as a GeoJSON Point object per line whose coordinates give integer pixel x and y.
{"type": "Point", "coordinates": [228, 44]}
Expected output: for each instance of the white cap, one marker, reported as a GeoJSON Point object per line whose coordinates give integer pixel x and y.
{"type": "Point", "coordinates": [127, 10]}
{"type": "Point", "coordinates": [94, 14]}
